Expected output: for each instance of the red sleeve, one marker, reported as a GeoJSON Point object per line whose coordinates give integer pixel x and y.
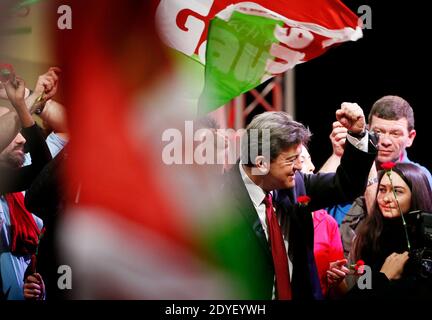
{"type": "Point", "coordinates": [335, 240]}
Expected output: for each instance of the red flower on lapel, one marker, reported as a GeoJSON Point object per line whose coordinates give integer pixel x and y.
{"type": "Point", "coordinates": [303, 200]}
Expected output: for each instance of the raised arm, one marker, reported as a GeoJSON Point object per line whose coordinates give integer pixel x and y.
{"type": "Point", "coordinates": [19, 179]}
{"type": "Point", "coordinates": [45, 89]}
{"type": "Point", "coordinates": [15, 92]}
{"type": "Point", "coordinates": [338, 139]}
{"type": "Point", "coordinates": [54, 117]}
{"type": "Point", "coordinates": [351, 175]}
{"type": "Point", "coordinates": [51, 112]}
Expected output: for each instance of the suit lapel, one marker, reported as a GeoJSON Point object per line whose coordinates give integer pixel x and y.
{"type": "Point", "coordinates": [244, 204]}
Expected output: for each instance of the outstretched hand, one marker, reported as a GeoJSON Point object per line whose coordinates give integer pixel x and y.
{"type": "Point", "coordinates": [47, 83]}
{"type": "Point", "coordinates": [15, 91]}
{"type": "Point", "coordinates": [351, 116]}
{"type": "Point", "coordinates": [337, 272]}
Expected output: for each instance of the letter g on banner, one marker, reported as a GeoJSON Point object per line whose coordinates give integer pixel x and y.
{"type": "Point", "coordinates": [182, 22]}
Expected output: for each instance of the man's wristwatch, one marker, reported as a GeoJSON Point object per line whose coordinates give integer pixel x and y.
{"type": "Point", "coordinates": [40, 108]}
{"type": "Point", "coordinates": [359, 135]}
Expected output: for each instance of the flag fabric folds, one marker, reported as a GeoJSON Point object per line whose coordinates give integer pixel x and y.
{"type": "Point", "coordinates": [243, 44]}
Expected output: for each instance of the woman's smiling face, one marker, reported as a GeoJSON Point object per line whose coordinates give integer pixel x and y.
{"type": "Point", "coordinates": [386, 199]}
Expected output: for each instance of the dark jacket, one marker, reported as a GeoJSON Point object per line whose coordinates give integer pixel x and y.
{"type": "Point", "coordinates": [252, 246]}
{"type": "Point", "coordinates": [413, 284]}
{"type": "Point", "coordinates": [47, 198]}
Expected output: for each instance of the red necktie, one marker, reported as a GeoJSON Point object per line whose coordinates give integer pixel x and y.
{"type": "Point", "coordinates": [280, 259]}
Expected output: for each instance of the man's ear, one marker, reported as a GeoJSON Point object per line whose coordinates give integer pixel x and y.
{"type": "Point", "coordinates": [411, 135]}
{"type": "Point", "coordinates": [262, 166]}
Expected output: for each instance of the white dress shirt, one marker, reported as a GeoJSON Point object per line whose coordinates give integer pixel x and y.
{"type": "Point", "coordinates": [257, 196]}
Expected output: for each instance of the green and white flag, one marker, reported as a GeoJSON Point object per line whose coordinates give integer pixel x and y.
{"type": "Point", "coordinates": [243, 44]}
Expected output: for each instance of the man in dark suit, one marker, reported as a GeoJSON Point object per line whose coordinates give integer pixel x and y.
{"type": "Point", "coordinates": [266, 183]}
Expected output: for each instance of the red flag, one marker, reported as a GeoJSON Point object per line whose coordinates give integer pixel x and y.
{"type": "Point", "coordinates": [244, 43]}
{"type": "Point", "coordinates": [184, 23]}
{"type": "Point", "coordinates": [128, 231]}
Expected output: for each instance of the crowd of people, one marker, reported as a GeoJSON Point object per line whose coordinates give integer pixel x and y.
{"type": "Point", "coordinates": [364, 216]}
{"type": "Point", "coordinates": [308, 235]}
{"type": "Point", "coordinates": [27, 149]}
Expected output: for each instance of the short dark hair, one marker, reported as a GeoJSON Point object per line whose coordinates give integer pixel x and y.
{"type": "Point", "coordinates": [392, 108]}
{"type": "Point", "coordinates": [284, 133]}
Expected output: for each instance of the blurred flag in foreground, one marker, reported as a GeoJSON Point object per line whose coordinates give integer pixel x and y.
{"type": "Point", "coordinates": [136, 228]}
{"type": "Point", "coordinates": [246, 43]}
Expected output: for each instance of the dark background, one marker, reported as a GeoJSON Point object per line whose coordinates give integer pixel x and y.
{"type": "Point", "coordinates": [392, 58]}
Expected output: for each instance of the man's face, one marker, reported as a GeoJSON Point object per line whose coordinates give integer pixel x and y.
{"type": "Point", "coordinates": [283, 168]}
{"type": "Point", "coordinates": [13, 154]}
{"type": "Point", "coordinates": [394, 137]}
{"type": "Point", "coordinates": [306, 160]}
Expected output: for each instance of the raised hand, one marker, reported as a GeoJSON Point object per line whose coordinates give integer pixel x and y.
{"type": "Point", "coordinates": [47, 83]}
{"type": "Point", "coordinates": [45, 89]}
{"type": "Point", "coordinates": [351, 116]}
{"type": "Point", "coordinates": [15, 91]}
{"type": "Point", "coordinates": [338, 138]}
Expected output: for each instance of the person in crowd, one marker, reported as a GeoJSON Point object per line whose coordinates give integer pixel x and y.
{"type": "Point", "coordinates": [328, 248]}
{"type": "Point", "coordinates": [268, 179]}
{"type": "Point", "coordinates": [394, 248]}
{"type": "Point", "coordinates": [36, 100]}
{"type": "Point", "coordinates": [19, 229]}
{"type": "Point", "coordinates": [391, 119]}
{"type": "Point", "coordinates": [9, 127]}
{"type": "Point", "coordinates": [51, 113]}
{"type": "Point", "coordinates": [46, 196]}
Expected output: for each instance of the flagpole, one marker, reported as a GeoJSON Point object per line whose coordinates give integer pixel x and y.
{"type": "Point", "coordinates": [289, 92]}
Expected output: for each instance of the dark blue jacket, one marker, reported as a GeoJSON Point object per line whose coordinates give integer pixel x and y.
{"type": "Point", "coordinates": [253, 251]}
